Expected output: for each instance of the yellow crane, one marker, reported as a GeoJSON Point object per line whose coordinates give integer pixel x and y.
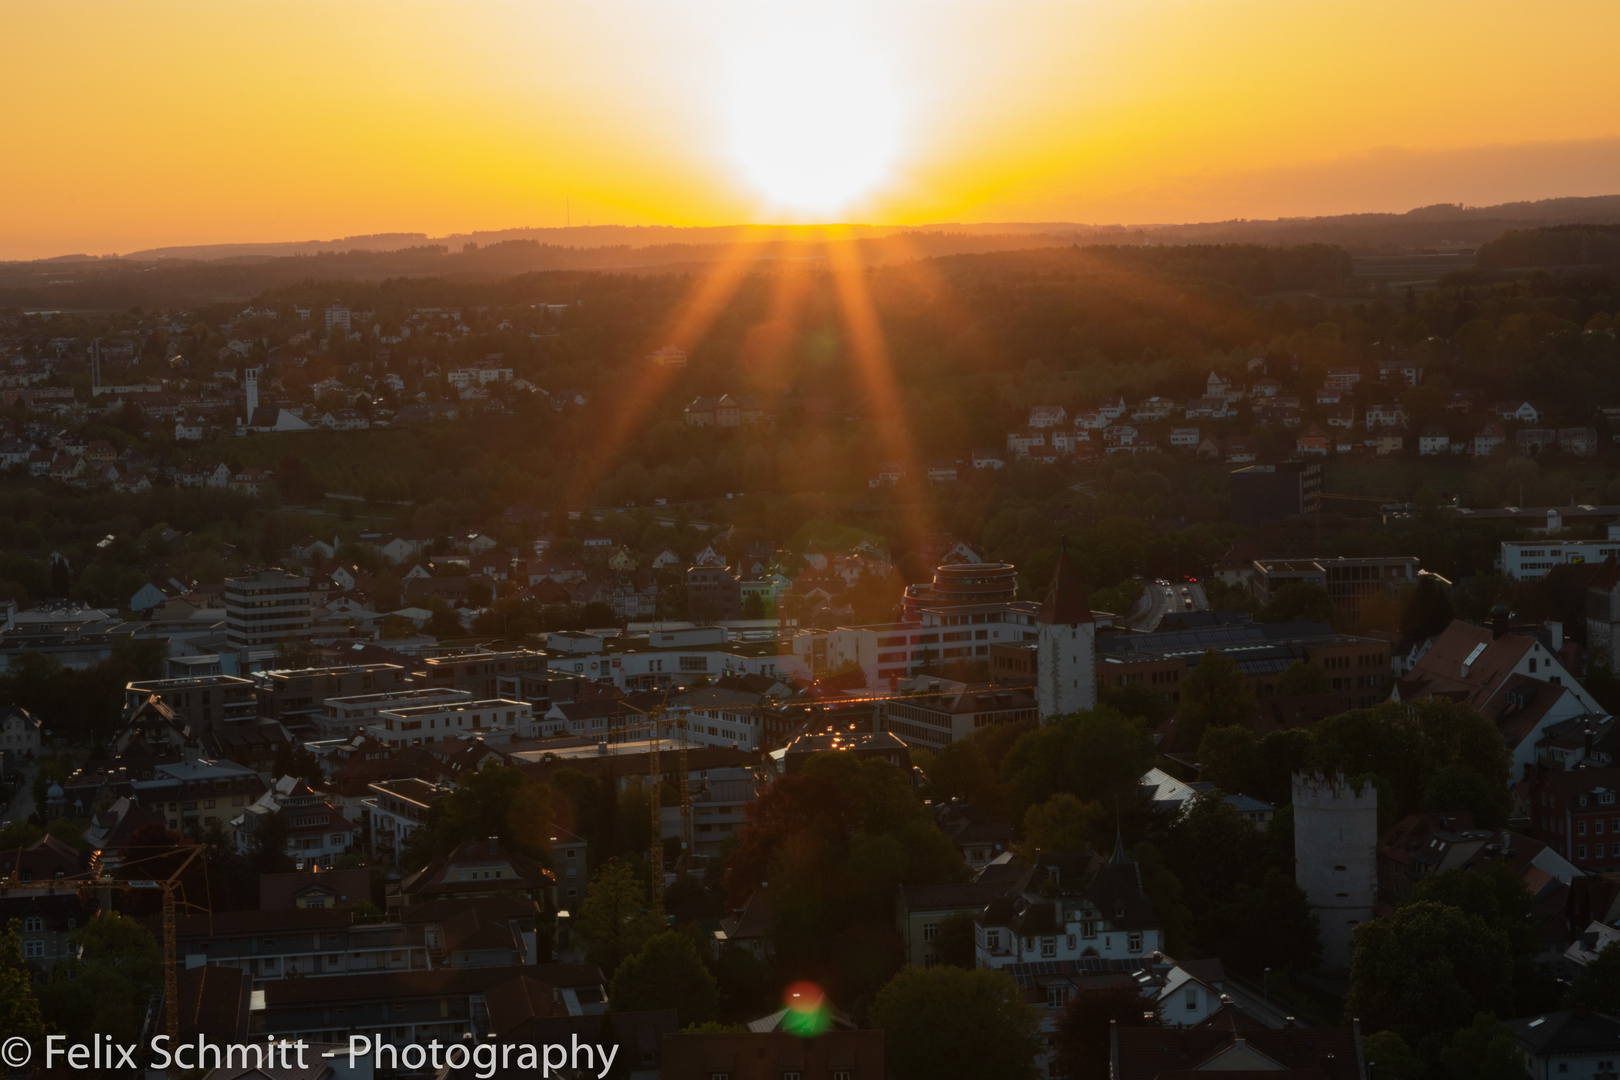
{"type": "Point", "coordinates": [167, 886]}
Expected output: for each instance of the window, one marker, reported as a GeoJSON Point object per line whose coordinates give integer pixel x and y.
{"type": "Point", "coordinates": [992, 940]}
{"type": "Point", "coordinates": [929, 930]}
{"type": "Point", "coordinates": [790, 1076]}
{"type": "Point", "coordinates": [1088, 929]}
{"type": "Point", "coordinates": [719, 1076]}
{"type": "Point", "coordinates": [840, 1076]}
{"type": "Point", "coordinates": [33, 924]}
{"type": "Point", "coordinates": [1192, 998]}
{"type": "Point", "coordinates": [1071, 943]}
{"type": "Point", "coordinates": [1580, 828]}
{"type": "Point", "coordinates": [1048, 947]}
{"type": "Point", "coordinates": [1133, 942]}
{"type": "Point", "coordinates": [1580, 851]}
{"type": "Point", "coordinates": [33, 950]}
{"type": "Point", "coordinates": [1055, 996]}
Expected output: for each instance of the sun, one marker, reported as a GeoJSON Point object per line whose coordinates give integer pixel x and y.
{"type": "Point", "coordinates": [815, 121]}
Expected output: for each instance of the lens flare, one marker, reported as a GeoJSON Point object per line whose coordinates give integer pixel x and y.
{"type": "Point", "coordinates": [807, 1010]}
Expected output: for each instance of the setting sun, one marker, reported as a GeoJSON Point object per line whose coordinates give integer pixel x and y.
{"type": "Point", "coordinates": [814, 118]}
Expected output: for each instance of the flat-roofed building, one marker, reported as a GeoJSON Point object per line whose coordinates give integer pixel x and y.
{"type": "Point", "coordinates": [266, 608]}
{"type": "Point", "coordinates": [1349, 581]}
{"type": "Point", "coordinates": [940, 712]}
{"type": "Point", "coordinates": [420, 725]}
{"type": "Point", "coordinates": [294, 696]}
{"type": "Point", "coordinates": [478, 671]}
{"type": "Point", "coordinates": [1357, 667]}
{"type": "Point", "coordinates": [345, 717]}
{"type": "Point", "coordinates": [202, 701]}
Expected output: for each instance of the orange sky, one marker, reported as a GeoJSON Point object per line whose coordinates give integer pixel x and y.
{"type": "Point", "coordinates": [132, 125]}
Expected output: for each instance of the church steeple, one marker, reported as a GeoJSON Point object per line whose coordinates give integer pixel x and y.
{"type": "Point", "coordinates": [1065, 603]}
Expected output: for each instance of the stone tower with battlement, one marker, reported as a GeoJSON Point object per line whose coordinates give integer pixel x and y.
{"type": "Point", "coordinates": [1066, 663]}
{"type": "Point", "coordinates": [1336, 857]}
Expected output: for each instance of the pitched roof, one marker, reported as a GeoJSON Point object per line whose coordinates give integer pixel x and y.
{"type": "Point", "coordinates": [1570, 1031]}
{"type": "Point", "coordinates": [1154, 1053]}
{"type": "Point", "coordinates": [1065, 602]}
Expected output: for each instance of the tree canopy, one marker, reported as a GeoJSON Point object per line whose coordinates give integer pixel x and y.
{"type": "Point", "coordinates": [951, 1023]}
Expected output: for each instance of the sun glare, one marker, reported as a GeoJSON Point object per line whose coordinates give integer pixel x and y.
{"type": "Point", "coordinates": [815, 119]}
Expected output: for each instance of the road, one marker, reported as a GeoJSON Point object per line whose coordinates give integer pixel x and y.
{"type": "Point", "coordinates": [23, 804]}
{"type": "Point", "coordinates": [1160, 600]}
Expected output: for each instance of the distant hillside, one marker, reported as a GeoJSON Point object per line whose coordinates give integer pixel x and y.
{"type": "Point", "coordinates": [1559, 245]}
{"type": "Point", "coordinates": [1444, 224]}
{"type": "Point", "coordinates": [1550, 232]}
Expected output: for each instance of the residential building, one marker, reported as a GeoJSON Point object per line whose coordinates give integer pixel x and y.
{"type": "Point", "coordinates": [1066, 907]}
{"type": "Point", "coordinates": [475, 869]}
{"type": "Point", "coordinates": [194, 796]}
{"type": "Point", "coordinates": [1433, 441]}
{"type": "Point", "coordinates": [1161, 1053]}
{"type": "Point", "coordinates": [19, 732]}
{"type": "Point", "coordinates": [1474, 665]}
{"type": "Point", "coordinates": [298, 942]}
{"type": "Point", "coordinates": [345, 717]}
{"type": "Point", "coordinates": [1047, 416]}
{"type": "Point", "coordinates": [297, 696]}
{"type": "Point", "coordinates": [395, 810]}
{"type": "Point", "coordinates": [1576, 814]}
{"type": "Point", "coordinates": [479, 672]}
{"type": "Point", "coordinates": [266, 608]}
{"type": "Point", "coordinates": [1577, 1043]}
{"type": "Point", "coordinates": [423, 725]}
{"type": "Point", "coordinates": [1342, 377]}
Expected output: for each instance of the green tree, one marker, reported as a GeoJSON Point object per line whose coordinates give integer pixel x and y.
{"type": "Point", "coordinates": [1138, 701]}
{"type": "Point", "coordinates": [105, 987]}
{"type": "Point", "coordinates": [1389, 1058]}
{"type": "Point", "coordinates": [615, 919]}
{"type": "Point", "coordinates": [1064, 825]}
{"type": "Point", "coordinates": [1405, 744]}
{"type": "Point", "coordinates": [496, 801]}
{"type": "Point", "coordinates": [1484, 1050]}
{"type": "Point", "coordinates": [951, 1023]}
{"type": "Point", "coordinates": [1267, 924]}
{"type": "Point", "coordinates": [1169, 899]}
{"type": "Point", "coordinates": [1425, 610]}
{"type": "Point", "coordinates": [1085, 1028]}
{"type": "Point", "coordinates": [1213, 695]}
{"type": "Point", "coordinates": [19, 1008]}
{"type": "Point", "coordinates": [1229, 758]}
{"type": "Point", "coordinates": [267, 845]}
{"type": "Point", "coordinates": [1304, 677]}
{"type": "Point", "coordinates": [1095, 754]}
{"type": "Point", "coordinates": [666, 973]}
{"type": "Point", "coordinates": [1428, 969]}
{"type": "Point", "coordinates": [963, 771]}
{"type": "Point", "coordinates": [1597, 987]}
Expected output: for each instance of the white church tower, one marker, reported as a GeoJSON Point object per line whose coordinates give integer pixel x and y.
{"type": "Point", "coordinates": [1066, 662]}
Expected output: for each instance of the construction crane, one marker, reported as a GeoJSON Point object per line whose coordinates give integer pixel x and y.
{"type": "Point", "coordinates": [167, 886]}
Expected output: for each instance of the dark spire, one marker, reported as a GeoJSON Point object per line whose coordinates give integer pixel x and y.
{"type": "Point", "coordinates": [1119, 857]}
{"type": "Point", "coordinates": [1065, 603]}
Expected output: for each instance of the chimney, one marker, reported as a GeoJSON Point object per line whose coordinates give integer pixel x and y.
{"type": "Point", "coordinates": [1555, 634]}
{"type": "Point", "coordinates": [494, 845]}
{"type": "Point", "coordinates": [1586, 744]}
{"type": "Point", "coordinates": [1499, 621]}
